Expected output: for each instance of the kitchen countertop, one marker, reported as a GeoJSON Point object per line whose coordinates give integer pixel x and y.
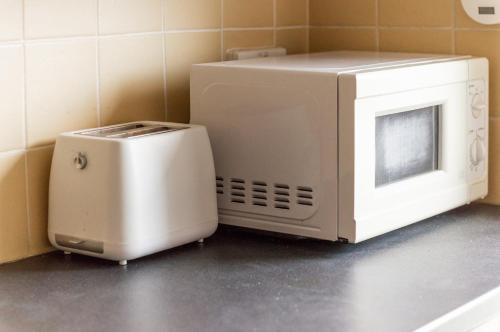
{"type": "Point", "coordinates": [241, 280]}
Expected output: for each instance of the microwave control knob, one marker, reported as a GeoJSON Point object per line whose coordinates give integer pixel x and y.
{"type": "Point", "coordinates": [478, 105]}
{"type": "Point", "coordinates": [477, 151]}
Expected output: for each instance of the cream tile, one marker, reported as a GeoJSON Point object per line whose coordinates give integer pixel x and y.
{"type": "Point", "coordinates": [416, 40]}
{"type": "Point", "coordinates": [11, 19]}
{"type": "Point", "coordinates": [125, 16]}
{"type": "Point", "coordinates": [11, 98]}
{"type": "Point", "coordinates": [494, 167]}
{"type": "Point", "coordinates": [248, 38]}
{"type": "Point", "coordinates": [291, 12]}
{"type": "Point", "coordinates": [244, 13]}
{"type": "Point", "coordinates": [192, 14]}
{"type": "Point", "coordinates": [294, 40]}
{"type": "Point", "coordinates": [328, 39]}
{"type": "Point", "coordinates": [487, 44]}
{"type": "Point", "coordinates": [185, 49]}
{"type": "Point", "coordinates": [342, 12]}
{"type": "Point", "coordinates": [39, 161]}
{"type": "Point", "coordinates": [418, 13]}
{"type": "Point", "coordinates": [61, 89]}
{"type": "Point", "coordinates": [131, 79]}
{"type": "Point", "coordinates": [13, 215]}
{"type": "Point", "coordinates": [60, 18]}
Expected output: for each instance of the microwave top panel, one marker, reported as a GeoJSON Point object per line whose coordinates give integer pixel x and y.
{"type": "Point", "coordinates": [338, 61]}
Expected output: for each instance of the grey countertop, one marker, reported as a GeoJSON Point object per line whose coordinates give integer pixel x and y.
{"type": "Point", "coordinates": [242, 280]}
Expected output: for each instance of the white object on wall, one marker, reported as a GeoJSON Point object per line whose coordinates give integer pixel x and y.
{"type": "Point", "coordinates": [249, 53]}
{"type": "Point", "coordinates": [483, 11]}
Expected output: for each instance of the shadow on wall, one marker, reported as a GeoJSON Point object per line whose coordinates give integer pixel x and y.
{"type": "Point", "coordinates": [13, 214]}
{"type": "Point", "coordinates": [134, 101]}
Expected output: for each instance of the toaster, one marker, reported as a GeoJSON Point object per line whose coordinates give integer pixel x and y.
{"type": "Point", "coordinates": [126, 191]}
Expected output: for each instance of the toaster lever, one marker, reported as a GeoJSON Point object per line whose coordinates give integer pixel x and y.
{"type": "Point", "coordinates": [76, 241]}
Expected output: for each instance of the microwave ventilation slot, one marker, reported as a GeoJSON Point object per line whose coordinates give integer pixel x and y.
{"type": "Point", "coordinates": [238, 191]}
{"type": "Point", "coordinates": [262, 195]}
{"type": "Point", "coordinates": [282, 196]}
{"type": "Point", "coordinates": [220, 185]}
{"type": "Point", "coordinates": [259, 193]}
{"type": "Point", "coordinates": [305, 196]}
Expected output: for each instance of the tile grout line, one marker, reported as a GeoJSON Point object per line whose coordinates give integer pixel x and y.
{"type": "Point", "coordinates": [164, 50]}
{"type": "Point", "coordinates": [26, 149]}
{"type": "Point", "coordinates": [274, 22]}
{"type": "Point", "coordinates": [308, 26]}
{"type": "Point", "coordinates": [97, 64]}
{"type": "Point", "coordinates": [377, 27]}
{"type": "Point", "coordinates": [44, 40]}
{"type": "Point", "coordinates": [453, 33]}
{"type": "Point", "coordinates": [221, 30]}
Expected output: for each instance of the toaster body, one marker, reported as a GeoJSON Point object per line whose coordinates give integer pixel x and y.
{"type": "Point", "coordinates": [126, 191]}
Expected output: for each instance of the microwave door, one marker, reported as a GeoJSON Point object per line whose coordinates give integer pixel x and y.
{"type": "Point", "coordinates": [401, 158]}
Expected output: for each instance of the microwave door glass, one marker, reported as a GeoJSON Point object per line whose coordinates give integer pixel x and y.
{"type": "Point", "coordinates": [407, 144]}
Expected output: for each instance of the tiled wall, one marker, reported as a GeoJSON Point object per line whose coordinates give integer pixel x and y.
{"type": "Point", "coordinates": [434, 26]}
{"type": "Point", "coordinates": [70, 64]}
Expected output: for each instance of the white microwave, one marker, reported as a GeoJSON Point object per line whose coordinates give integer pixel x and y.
{"type": "Point", "coordinates": [344, 146]}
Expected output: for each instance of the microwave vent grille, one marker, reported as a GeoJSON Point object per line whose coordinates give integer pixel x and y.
{"type": "Point", "coordinates": [220, 185]}
{"type": "Point", "coordinates": [262, 195]}
{"type": "Point", "coordinates": [282, 196]}
{"type": "Point", "coordinates": [238, 190]}
{"type": "Point", "coordinates": [259, 193]}
{"type": "Point", "coordinates": [305, 196]}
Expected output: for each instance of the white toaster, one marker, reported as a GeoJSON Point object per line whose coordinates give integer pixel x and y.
{"type": "Point", "coordinates": [126, 191]}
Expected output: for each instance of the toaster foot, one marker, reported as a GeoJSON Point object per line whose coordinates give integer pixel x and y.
{"type": "Point", "coordinates": [123, 262]}
{"type": "Point", "coordinates": [201, 240]}
{"type": "Point", "coordinates": [67, 252]}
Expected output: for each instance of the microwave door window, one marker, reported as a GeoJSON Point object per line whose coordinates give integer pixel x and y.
{"type": "Point", "coordinates": [407, 144]}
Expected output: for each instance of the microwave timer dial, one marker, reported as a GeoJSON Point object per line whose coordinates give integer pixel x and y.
{"type": "Point", "coordinates": [478, 109]}
{"type": "Point", "coordinates": [477, 151]}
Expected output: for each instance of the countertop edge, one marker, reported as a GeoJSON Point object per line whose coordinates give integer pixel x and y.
{"type": "Point", "coordinates": [468, 316]}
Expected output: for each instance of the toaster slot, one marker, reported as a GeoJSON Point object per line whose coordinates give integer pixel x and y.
{"type": "Point", "coordinates": [79, 244]}
{"type": "Point", "coordinates": [129, 131]}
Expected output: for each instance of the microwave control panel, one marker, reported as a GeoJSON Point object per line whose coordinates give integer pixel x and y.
{"type": "Point", "coordinates": [476, 127]}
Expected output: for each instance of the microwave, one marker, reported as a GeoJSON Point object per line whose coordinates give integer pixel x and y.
{"type": "Point", "coordinates": [344, 146]}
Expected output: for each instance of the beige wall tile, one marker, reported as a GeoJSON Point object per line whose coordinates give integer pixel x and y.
{"type": "Point", "coordinates": [61, 89]}
{"type": "Point", "coordinates": [291, 12]}
{"type": "Point", "coordinates": [11, 19]}
{"type": "Point", "coordinates": [248, 38]}
{"type": "Point", "coordinates": [244, 13]}
{"type": "Point", "coordinates": [427, 13]}
{"type": "Point", "coordinates": [416, 40]}
{"type": "Point", "coordinates": [192, 14]}
{"type": "Point", "coordinates": [494, 165]}
{"type": "Point", "coordinates": [13, 213]}
{"type": "Point", "coordinates": [342, 12]}
{"type": "Point", "coordinates": [131, 79]}
{"type": "Point", "coordinates": [125, 16]}
{"type": "Point", "coordinates": [60, 18]}
{"type": "Point", "coordinates": [11, 98]}
{"type": "Point", "coordinates": [294, 40]}
{"type": "Point", "coordinates": [184, 50]}
{"type": "Point", "coordinates": [39, 161]}
{"type": "Point", "coordinates": [484, 43]}
{"type": "Point", "coordinates": [328, 39]}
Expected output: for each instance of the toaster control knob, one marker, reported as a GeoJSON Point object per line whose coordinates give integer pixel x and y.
{"type": "Point", "coordinates": [80, 161]}
{"type": "Point", "coordinates": [477, 151]}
